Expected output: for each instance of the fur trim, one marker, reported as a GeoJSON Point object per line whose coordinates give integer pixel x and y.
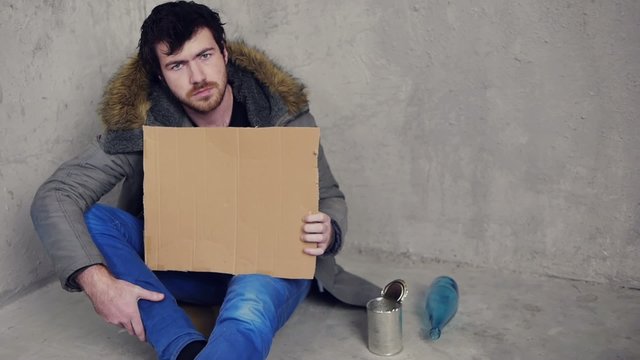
{"type": "Point", "coordinates": [290, 89]}
{"type": "Point", "coordinates": [126, 101]}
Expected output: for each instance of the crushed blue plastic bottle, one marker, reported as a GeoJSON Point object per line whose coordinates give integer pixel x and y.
{"type": "Point", "coordinates": [441, 304]}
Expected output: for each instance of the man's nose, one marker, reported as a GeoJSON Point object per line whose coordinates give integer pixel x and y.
{"type": "Point", "coordinates": [197, 74]}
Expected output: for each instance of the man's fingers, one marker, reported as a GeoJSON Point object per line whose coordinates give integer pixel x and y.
{"type": "Point", "coordinates": [313, 251]}
{"type": "Point", "coordinates": [149, 295]}
{"type": "Point", "coordinates": [313, 238]}
{"type": "Point", "coordinates": [314, 228]}
{"type": "Point", "coordinates": [317, 217]}
{"type": "Point", "coordinates": [317, 229]}
{"type": "Point", "coordinates": [127, 326]}
{"type": "Point", "coordinates": [138, 328]}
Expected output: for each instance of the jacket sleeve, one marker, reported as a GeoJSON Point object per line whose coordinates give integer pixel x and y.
{"type": "Point", "coordinates": [332, 200]}
{"type": "Point", "coordinates": [59, 205]}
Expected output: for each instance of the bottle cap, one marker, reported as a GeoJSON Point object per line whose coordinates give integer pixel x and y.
{"type": "Point", "coordinates": [396, 290]}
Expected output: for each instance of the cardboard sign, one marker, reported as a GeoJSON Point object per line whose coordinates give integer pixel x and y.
{"type": "Point", "coordinates": [229, 200]}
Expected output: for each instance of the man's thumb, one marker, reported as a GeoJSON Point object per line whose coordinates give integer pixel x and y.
{"type": "Point", "coordinates": [150, 295]}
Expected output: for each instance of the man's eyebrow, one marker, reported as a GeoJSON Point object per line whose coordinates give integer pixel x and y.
{"type": "Point", "coordinates": [205, 50]}
{"type": "Point", "coordinates": [177, 62]}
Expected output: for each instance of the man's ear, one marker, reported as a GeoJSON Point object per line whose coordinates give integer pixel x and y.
{"type": "Point", "coordinates": [225, 54]}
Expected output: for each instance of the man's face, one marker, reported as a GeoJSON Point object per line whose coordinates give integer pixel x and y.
{"type": "Point", "coordinates": [196, 74]}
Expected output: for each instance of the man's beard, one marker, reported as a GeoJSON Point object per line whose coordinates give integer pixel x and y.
{"type": "Point", "coordinates": [204, 105]}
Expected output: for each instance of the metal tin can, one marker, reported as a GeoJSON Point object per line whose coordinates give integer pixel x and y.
{"type": "Point", "coordinates": [384, 319]}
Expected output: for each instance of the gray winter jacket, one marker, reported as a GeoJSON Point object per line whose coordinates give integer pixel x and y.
{"type": "Point", "coordinates": [272, 98]}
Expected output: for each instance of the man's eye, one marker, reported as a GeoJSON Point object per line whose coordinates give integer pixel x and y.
{"type": "Point", "coordinates": [176, 66]}
{"type": "Point", "coordinates": [205, 56]}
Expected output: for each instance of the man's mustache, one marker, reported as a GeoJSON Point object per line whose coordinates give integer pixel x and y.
{"type": "Point", "coordinates": [202, 85]}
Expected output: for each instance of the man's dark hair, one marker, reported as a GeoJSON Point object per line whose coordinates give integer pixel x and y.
{"type": "Point", "coordinates": [175, 23]}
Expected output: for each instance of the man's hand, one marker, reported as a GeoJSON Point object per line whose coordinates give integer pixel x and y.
{"type": "Point", "coordinates": [116, 301]}
{"type": "Point", "coordinates": [317, 230]}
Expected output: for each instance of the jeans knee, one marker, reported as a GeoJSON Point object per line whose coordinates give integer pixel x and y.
{"type": "Point", "coordinates": [248, 311]}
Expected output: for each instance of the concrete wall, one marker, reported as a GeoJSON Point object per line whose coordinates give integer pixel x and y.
{"type": "Point", "coordinates": [498, 133]}
{"type": "Point", "coordinates": [56, 57]}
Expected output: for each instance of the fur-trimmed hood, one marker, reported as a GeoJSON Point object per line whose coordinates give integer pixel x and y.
{"type": "Point", "coordinates": [271, 95]}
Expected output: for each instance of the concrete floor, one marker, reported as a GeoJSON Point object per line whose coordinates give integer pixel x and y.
{"type": "Point", "coordinates": [501, 316]}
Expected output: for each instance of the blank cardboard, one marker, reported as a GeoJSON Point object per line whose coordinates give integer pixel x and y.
{"type": "Point", "coordinates": [229, 200]}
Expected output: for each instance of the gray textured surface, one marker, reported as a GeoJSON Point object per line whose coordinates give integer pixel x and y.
{"type": "Point", "coordinates": [56, 56]}
{"type": "Point", "coordinates": [502, 316]}
{"type": "Point", "coordinates": [501, 134]}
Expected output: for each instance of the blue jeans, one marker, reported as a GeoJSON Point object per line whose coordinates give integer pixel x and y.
{"type": "Point", "coordinates": [254, 307]}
